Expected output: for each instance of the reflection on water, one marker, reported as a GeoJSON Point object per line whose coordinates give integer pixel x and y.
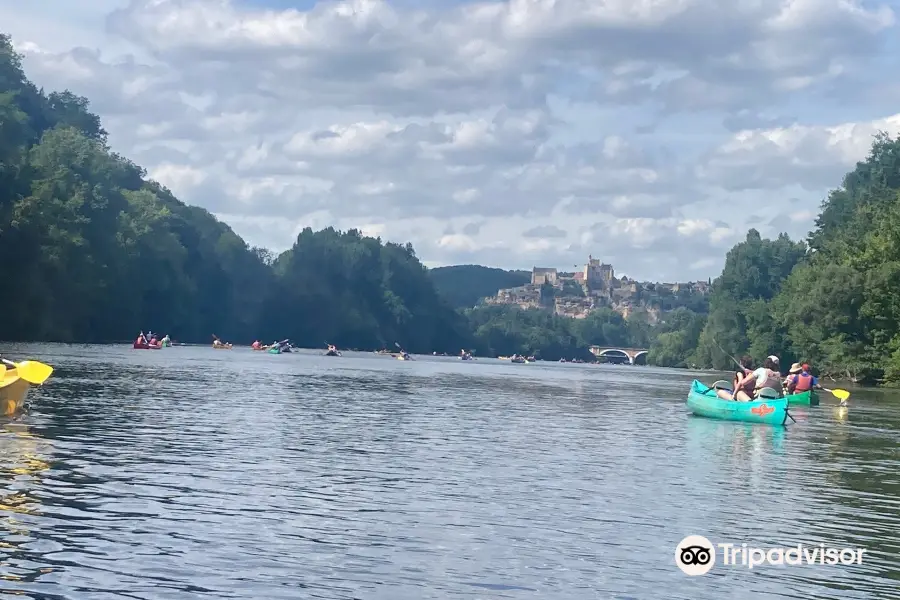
{"type": "Point", "coordinates": [190, 472]}
{"type": "Point", "coordinates": [22, 460]}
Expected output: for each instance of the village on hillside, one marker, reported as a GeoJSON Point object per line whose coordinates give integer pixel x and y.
{"type": "Point", "coordinates": [575, 294]}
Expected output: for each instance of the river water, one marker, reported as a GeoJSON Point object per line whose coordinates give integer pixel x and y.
{"type": "Point", "coordinates": [196, 473]}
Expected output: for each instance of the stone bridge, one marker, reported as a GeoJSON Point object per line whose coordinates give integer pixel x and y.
{"type": "Point", "coordinates": [620, 354]}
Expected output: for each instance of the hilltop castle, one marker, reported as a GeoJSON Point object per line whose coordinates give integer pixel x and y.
{"type": "Point", "coordinates": [576, 294]}
{"type": "Point", "coordinates": [593, 274]}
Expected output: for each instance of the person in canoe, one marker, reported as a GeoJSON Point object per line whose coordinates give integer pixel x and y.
{"type": "Point", "coordinates": [800, 380]}
{"type": "Point", "coordinates": [742, 384]}
{"type": "Point", "coordinates": [332, 350]}
{"type": "Point", "coordinates": [767, 377]}
{"type": "Point", "coordinates": [141, 341]}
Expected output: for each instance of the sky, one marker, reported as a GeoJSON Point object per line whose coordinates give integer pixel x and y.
{"type": "Point", "coordinates": [651, 134]}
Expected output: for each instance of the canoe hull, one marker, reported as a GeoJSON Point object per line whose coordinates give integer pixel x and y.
{"type": "Point", "coordinates": [807, 398]}
{"type": "Point", "coordinates": [702, 401]}
{"type": "Point", "coordinates": [13, 392]}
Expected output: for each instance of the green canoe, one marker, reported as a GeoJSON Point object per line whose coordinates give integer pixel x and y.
{"type": "Point", "coordinates": [807, 398]}
{"type": "Point", "coordinates": [702, 401]}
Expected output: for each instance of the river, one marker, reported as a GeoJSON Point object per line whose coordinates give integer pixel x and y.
{"type": "Point", "coordinates": [198, 473]}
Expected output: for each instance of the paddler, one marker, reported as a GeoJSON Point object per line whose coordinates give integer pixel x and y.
{"type": "Point", "coordinates": [742, 384]}
{"type": "Point", "coordinates": [767, 376]}
{"type": "Point", "coordinates": [800, 380]}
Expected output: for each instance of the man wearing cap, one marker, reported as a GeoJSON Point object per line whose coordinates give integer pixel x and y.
{"type": "Point", "coordinates": [800, 379]}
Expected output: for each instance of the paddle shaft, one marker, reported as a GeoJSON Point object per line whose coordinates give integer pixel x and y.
{"type": "Point", "coordinates": [739, 365]}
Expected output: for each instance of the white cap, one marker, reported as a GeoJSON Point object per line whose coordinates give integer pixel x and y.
{"type": "Point", "coordinates": [773, 358]}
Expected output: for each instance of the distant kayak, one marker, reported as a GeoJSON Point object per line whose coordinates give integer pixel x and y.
{"type": "Point", "coordinates": [137, 346]}
{"type": "Point", "coordinates": [333, 353]}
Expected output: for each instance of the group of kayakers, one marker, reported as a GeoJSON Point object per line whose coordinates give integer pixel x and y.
{"type": "Point", "coordinates": [749, 383]}
{"type": "Point", "coordinates": [150, 340]}
{"type": "Point", "coordinates": [282, 346]}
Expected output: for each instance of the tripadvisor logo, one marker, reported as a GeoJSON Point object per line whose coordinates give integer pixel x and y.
{"type": "Point", "coordinates": [696, 555]}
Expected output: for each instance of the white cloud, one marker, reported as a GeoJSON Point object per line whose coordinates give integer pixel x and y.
{"type": "Point", "coordinates": [645, 132]}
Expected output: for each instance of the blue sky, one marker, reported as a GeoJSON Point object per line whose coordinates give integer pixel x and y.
{"type": "Point", "coordinates": [647, 133]}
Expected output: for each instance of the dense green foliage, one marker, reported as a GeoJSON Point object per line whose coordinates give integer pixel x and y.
{"type": "Point", "coordinates": [354, 291]}
{"type": "Point", "coordinates": [465, 285]}
{"type": "Point", "coordinates": [95, 252]}
{"type": "Point", "coordinates": [506, 330]}
{"type": "Point", "coordinates": [831, 301]}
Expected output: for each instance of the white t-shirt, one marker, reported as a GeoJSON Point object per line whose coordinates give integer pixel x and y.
{"type": "Point", "coordinates": [766, 378]}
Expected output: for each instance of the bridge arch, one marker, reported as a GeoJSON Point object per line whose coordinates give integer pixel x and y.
{"type": "Point", "coordinates": [610, 352]}
{"type": "Point", "coordinates": [632, 355]}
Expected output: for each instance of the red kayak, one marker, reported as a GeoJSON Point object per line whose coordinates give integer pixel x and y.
{"type": "Point", "coordinates": [146, 346]}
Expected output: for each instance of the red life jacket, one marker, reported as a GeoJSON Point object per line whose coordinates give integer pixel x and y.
{"type": "Point", "coordinates": [802, 382]}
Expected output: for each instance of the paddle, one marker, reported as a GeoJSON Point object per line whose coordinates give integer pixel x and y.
{"type": "Point", "coordinates": [739, 365]}
{"type": "Point", "coordinates": [840, 394]}
{"type": "Point", "coordinates": [403, 352]}
{"type": "Point", "coordinates": [31, 371]}
{"type": "Point", "coordinates": [2, 372]}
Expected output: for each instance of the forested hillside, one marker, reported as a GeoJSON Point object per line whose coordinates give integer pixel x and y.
{"type": "Point", "coordinates": [464, 285]}
{"type": "Point", "coordinates": [93, 251]}
{"type": "Point", "coordinates": [831, 300]}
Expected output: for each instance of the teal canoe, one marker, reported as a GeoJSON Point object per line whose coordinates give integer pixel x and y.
{"type": "Point", "coordinates": [274, 350]}
{"type": "Point", "coordinates": [702, 401]}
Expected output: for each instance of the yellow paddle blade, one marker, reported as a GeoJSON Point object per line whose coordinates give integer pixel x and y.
{"type": "Point", "coordinates": [33, 371]}
{"type": "Point", "coordinates": [2, 371]}
{"type": "Point", "coordinates": [842, 394]}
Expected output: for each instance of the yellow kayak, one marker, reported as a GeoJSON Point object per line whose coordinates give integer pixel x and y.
{"type": "Point", "coordinates": [13, 391]}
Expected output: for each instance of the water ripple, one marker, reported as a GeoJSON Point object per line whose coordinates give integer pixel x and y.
{"type": "Point", "coordinates": [188, 473]}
